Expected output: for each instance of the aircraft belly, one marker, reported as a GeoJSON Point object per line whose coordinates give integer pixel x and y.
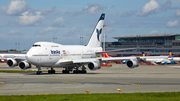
{"type": "Point", "coordinates": [65, 65]}
{"type": "Point", "coordinates": [43, 61]}
{"type": "Point", "coordinates": [176, 59]}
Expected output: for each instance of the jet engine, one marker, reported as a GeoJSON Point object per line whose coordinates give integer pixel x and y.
{"type": "Point", "coordinates": [132, 63]}
{"type": "Point", "coordinates": [94, 65]}
{"type": "Point", "coordinates": [11, 63]}
{"type": "Point", "coordinates": [24, 65]}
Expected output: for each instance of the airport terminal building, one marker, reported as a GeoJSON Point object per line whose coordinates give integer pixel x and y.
{"type": "Point", "coordinates": [151, 44]}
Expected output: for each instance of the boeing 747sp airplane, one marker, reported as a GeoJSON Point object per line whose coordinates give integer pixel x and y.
{"type": "Point", "coordinates": [71, 57]}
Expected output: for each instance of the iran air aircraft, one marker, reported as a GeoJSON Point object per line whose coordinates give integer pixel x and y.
{"type": "Point", "coordinates": [71, 57]}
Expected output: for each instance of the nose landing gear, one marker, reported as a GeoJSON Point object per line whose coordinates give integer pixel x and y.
{"type": "Point", "coordinates": [39, 72]}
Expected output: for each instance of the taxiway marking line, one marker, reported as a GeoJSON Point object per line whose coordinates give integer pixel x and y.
{"type": "Point", "coordinates": [69, 82]}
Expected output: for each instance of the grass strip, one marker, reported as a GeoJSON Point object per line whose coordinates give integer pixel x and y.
{"type": "Point", "coordinates": [166, 96]}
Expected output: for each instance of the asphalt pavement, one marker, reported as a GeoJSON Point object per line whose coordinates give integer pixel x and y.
{"type": "Point", "coordinates": [145, 78]}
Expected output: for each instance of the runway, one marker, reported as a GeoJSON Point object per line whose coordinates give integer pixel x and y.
{"type": "Point", "coordinates": [164, 78]}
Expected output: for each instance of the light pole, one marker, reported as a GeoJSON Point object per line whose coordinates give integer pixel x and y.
{"type": "Point", "coordinates": [104, 37]}
{"type": "Point", "coordinates": [16, 46]}
{"type": "Point", "coordinates": [81, 38]}
{"type": "Point", "coordinates": [55, 39]}
{"type": "Point", "coordinates": [19, 46]}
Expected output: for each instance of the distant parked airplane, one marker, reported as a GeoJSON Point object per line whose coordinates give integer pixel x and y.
{"type": "Point", "coordinates": [158, 60]}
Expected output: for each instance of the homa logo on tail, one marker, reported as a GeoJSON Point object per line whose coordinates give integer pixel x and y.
{"type": "Point", "coordinates": [55, 52]}
{"type": "Point", "coordinates": [98, 33]}
{"type": "Point", "coordinates": [170, 53]}
{"type": "Point", "coordinates": [143, 53]}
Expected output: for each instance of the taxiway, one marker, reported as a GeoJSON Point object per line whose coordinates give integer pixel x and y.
{"type": "Point", "coordinates": [164, 78]}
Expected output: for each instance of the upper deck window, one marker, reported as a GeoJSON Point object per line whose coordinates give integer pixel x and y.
{"type": "Point", "coordinates": [36, 45]}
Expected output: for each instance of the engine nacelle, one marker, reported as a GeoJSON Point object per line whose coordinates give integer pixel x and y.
{"type": "Point", "coordinates": [94, 65]}
{"type": "Point", "coordinates": [24, 65]}
{"type": "Point", "coordinates": [132, 63]}
{"type": "Point", "coordinates": [11, 63]}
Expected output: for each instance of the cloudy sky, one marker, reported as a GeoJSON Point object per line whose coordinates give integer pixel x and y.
{"type": "Point", "coordinates": [29, 21]}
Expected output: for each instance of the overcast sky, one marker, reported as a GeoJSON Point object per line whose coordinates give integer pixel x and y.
{"type": "Point", "coordinates": [29, 21]}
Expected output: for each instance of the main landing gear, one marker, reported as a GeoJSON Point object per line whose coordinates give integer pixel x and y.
{"type": "Point", "coordinates": [52, 71]}
{"type": "Point", "coordinates": [66, 71]}
{"type": "Point", "coordinates": [77, 71]}
{"type": "Point", "coordinates": [39, 72]}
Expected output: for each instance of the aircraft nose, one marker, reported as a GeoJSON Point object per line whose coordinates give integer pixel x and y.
{"type": "Point", "coordinates": [29, 56]}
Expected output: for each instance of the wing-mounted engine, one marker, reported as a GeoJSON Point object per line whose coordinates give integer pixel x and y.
{"type": "Point", "coordinates": [12, 63]}
{"type": "Point", "coordinates": [94, 65]}
{"type": "Point", "coordinates": [24, 65]}
{"type": "Point", "coordinates": [132, 63]}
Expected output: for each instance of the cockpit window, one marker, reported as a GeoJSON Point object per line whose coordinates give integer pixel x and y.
{"type": "Point", "coordinates": [36, 45]}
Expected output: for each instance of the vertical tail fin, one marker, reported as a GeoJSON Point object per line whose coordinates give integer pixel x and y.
{"type": "Point", "coordinates": [170, 53]}
{"type": "Point", "coordinates": [95, 39]}
{"type": "Point", "coordinates": [143, 53]}
{"type": "Point", "coordinates": [106, 55]}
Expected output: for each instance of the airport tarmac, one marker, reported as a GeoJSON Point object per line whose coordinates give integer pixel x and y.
{"type": "Point", "coordinates": [145, 78]}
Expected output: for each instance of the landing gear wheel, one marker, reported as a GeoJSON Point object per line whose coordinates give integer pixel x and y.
{"type": "Point", "coordinates": [54, 71]}
{"type": "Point", "coordinates": [39, 72]}
{"type": "Point", "coordinates": [79, 72]}
{"type": "Point", "coordinates": [51, 71]}
{"type": "Point", "coordinates": [65, 72]}
{"type": "Point", "coordinates": [84, 72]}
{"type": "Point", "coordinates": [75, 71]}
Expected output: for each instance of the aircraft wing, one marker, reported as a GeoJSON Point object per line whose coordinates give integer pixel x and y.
{"type": "Point", "coordinates": [102, 59]}
{"type": "Point", "coordinates": [75, 61]}
{"type": "Point", "coordinates": [133, 57]}
{"type": "Point", "coordinates": [71, 61]}
{"type": "Point", "coordinates": [84, 61]}
{"type": "Point", "coordinates": [115, 50]}
{"type": "Point", "coordinates": [16, 57]}
{"type": "Point", "coordinates": [119, 58]}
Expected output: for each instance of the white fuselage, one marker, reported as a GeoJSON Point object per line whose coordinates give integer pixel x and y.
{"type": "Point", "coordinates": [158, 60]}
{"type": "Point", "coordinates": [47, 54]}
{"type": "Point", "coordinates": [175, 58]}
